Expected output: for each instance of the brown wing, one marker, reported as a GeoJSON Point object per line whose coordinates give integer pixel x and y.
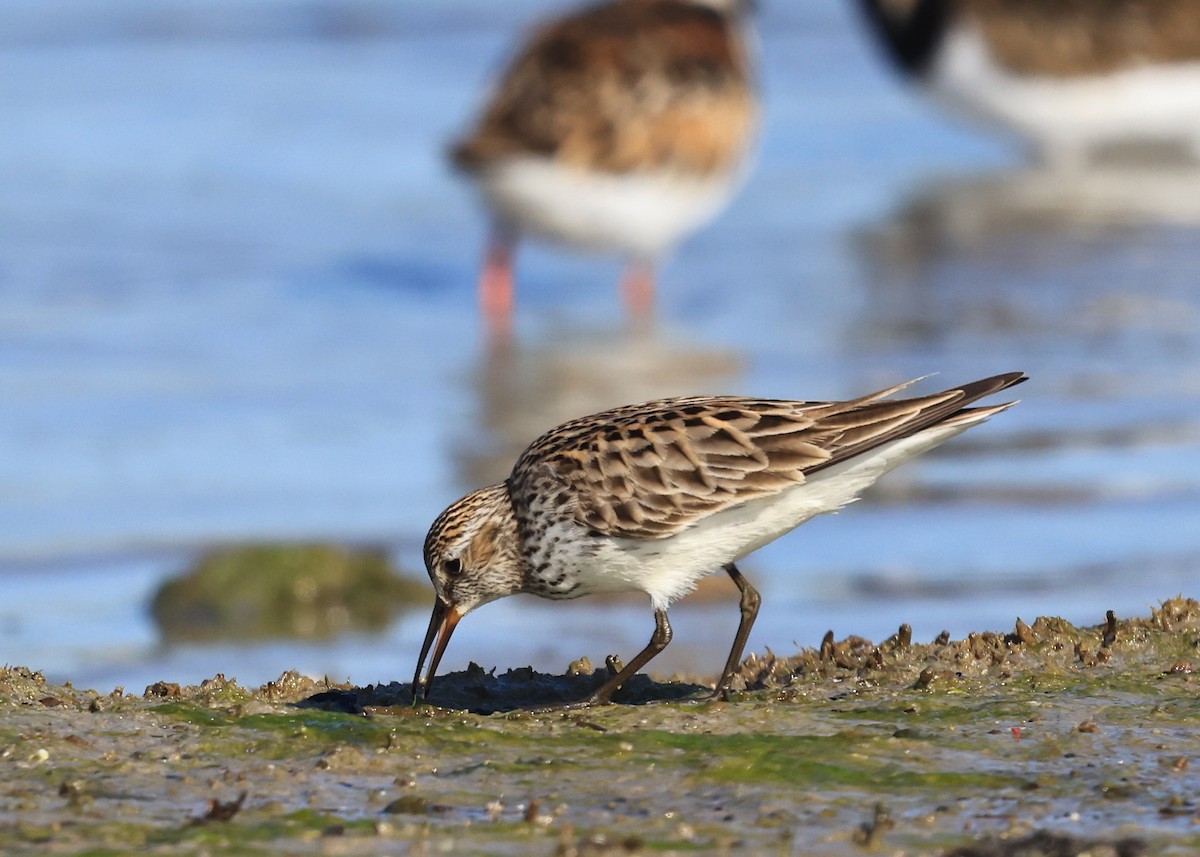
{"type": "Point", "coordinates": [1070, 37]}
{"type": "Point", "coordinates": [648, 471]}
{"type": "Point", "coordinates": [635, 84]}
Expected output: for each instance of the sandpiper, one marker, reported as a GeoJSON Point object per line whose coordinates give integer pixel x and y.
{"type": "Point", "coordinates": [652, 497]}
{"type": "Point", "coordinates": [1073, 76]}
{"type": "Point", "coordinates": [620, 128]}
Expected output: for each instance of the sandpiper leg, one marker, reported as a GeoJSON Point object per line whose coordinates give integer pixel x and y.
{"type": "Point", "coordinates": [637, 290]}
{"type": "Point", "coordinates": [658, 642]}
{"type": "Point", "coordinates": [496, 284]}
{"type": "Point", "coordinates": [749, 607]}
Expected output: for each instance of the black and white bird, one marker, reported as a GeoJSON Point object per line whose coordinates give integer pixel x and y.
{"type": "Point", "coordinates": [1074, 77]}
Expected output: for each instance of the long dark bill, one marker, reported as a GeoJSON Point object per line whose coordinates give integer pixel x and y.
{"type": "Point", "coordinates": [441, 625]}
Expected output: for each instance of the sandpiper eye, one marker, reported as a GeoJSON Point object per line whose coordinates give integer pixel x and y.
{"type": "Point", "coordinates": [452, 567]}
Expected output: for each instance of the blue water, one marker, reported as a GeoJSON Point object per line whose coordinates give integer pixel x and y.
{"type": "Point", "coordinates": [237, 302]}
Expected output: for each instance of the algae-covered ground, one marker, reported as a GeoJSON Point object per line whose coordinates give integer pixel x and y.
{"type": "Point", "coordinates": [284, 590]}
{"type": "Point", "coordinates": [1049, 740]}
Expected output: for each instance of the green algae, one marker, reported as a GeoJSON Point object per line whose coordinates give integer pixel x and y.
{"type": "Point", "coordinates": [197, 715]}
{"type": "Point", "coordinates": [283, 590]}
{"type": "Point", "coordinates": [807, 761]}
{"type": "Point", "coordinates": [1087, 732]}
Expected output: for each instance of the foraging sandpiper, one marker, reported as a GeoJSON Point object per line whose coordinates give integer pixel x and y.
{"type": "Point", "coordinates": [652, 497]}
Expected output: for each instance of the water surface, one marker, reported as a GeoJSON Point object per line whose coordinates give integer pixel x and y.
{"type": "Point", "coordinates": [237, 302]}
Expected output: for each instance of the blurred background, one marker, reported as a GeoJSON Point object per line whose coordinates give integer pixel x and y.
{"type": "Point", "coordinates": [237, 305]}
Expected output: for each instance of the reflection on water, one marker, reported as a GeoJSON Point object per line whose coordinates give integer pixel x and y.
{"type": "Point", "coordinates": [1101, 254]}
{"type": "Point", "coordinates": [1089, 278]}
{"type": "Point", "coordinates": [524, 388]}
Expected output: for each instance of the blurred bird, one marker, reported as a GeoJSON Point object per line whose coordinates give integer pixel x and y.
{"type": "Point", "coordinates": [620, 128]}
{"type": "Point", "coordinates": [1075, 77]}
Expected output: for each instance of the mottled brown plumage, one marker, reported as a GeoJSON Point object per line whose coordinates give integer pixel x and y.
{"type": "Point", "coordinates": [1055, 38]}
{"type": "Point", "coordinates": [1085, 37]}
{"type": "Point", "coordinates": [619, 128]}
{"type": "Point", "coordinates": [654, 496]}
{"type": "Point", "coordinates": [647, 471]}
{"type": "Point", "coordinates": [627, 86]}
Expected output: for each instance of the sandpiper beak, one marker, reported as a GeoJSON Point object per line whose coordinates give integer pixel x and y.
{"type": "Point", "coordinates": [441, 624]}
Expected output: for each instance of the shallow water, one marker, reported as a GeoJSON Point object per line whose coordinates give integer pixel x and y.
{"type": "Point", "coordinates": [236, 302]}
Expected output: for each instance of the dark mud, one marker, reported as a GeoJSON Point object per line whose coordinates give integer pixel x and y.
{"type": "Point", "coordinates": [1048, 740]}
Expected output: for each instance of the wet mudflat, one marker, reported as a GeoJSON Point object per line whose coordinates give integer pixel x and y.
{"type": "Point", "coordinates": [1049, 739]}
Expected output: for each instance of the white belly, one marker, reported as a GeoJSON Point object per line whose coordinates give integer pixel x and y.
{"type": "Point", "coordinates": [635, 214]}
{"type": "Point", "coordinates": [1067, 116]}
{"type": "Point", "coordinates": [669, 568]}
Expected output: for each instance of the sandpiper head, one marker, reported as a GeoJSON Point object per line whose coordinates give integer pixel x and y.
{"type": "Point", "coordinates": [472, 557]}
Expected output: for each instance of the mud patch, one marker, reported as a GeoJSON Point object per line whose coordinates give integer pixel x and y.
{"type": "Point", "coordinates": [1050, 737]}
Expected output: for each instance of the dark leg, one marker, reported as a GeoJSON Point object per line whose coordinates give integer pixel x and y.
{"type": "Point", "coordinates": [749, 606]}
{"type": "Point", "coordinates": [658, 642]}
